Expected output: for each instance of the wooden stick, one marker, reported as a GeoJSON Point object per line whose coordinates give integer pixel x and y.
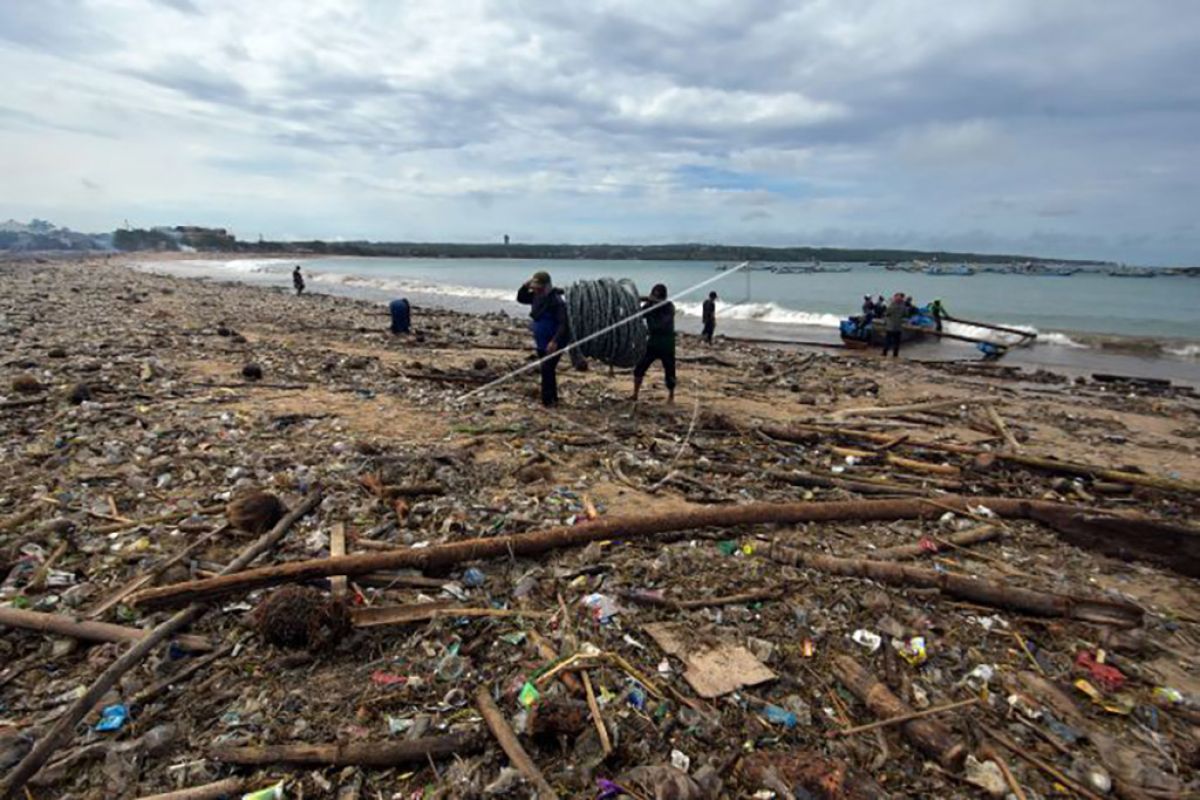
{"type": "Point", "coordinates": [1051, 465]}
{"type": "Point", "coordinates": [929, 736]}
{"type": "Point", "coordinates": [358, 754]}
{"type": "Point", "coordinates": [65, 725]}
{"type": "Point", "coordinates": [512, 748]}
{"type": "Point", "coordinates": [62, 625]}
{"type": "Point", "coordinates": [420, 612]}
{"type": "Point", "coordinates": [883, 723]}
{"type": "Point", "coordinates": [989, 753]}
{"type": "Point", "coordinates": [892, 411]}
{"type": "Point", "coordinates": [137, 583]}
{"type": "Point", "coordinates": [1001, 428]}
{"type": "Point", "coordinates": [337, 549]}
{"type": "Point", "coordinates": [705, 602]}
{"type": "Point", "coordinates": [976, 535]}
{"type": "Point", "coordinates": [39, 577]}
{"type": "Point", "coordinates": [922, 466]}
{"type": "Point", "coordinates": [174, 516]}
{"type": "Point", "coordinates": [547, 651]}
{"type": "Point", "coordinates": [993, 593]}
{"type": "Point", "coordinates": [197, 664]}
{"type": "Point", "coordinates": [1024, 754]}
{"type": "Point", "coordinates": [209, 791]}
{"type": "Point", "coordinates": [594, 707]}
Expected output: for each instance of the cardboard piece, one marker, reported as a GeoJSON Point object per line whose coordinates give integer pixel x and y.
{"type": "Point", "coordinates": [715, 666]}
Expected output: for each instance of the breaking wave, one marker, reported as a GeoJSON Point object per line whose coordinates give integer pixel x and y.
{"type": "Point", "coordinates": [765, 312]}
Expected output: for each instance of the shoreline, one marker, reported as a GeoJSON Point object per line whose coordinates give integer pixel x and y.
{"type": "Point", "coordinates": [1071, 353]}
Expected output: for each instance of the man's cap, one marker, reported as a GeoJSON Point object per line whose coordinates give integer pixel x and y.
{"type": "Point", "coordinates": [540, 278]}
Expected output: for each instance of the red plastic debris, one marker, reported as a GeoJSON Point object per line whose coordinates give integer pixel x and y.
{"type": "Point", "coordinates": [1108, 677]}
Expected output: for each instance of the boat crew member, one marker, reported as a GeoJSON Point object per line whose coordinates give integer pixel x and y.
{"type": "Point", "coordinates": [868, 308]}
{"type": "Point", "coordinates": [880, 306]}
{"type": "Point", "coordinates": [298, 281]}
{"type": "Point", "coordinates": [661, 322]}
{"type": "Point", "coordinates": [709, 316]}
{"type": "Point", "coordinates": [939, 312]}
{"type": "Point", "coordinates": [893, 324]}
{"type": "Point", "coordinates": [548, 312]}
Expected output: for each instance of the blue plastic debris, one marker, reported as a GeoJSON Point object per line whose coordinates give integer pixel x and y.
{"type": "Point", "coordinates": [112, 718]}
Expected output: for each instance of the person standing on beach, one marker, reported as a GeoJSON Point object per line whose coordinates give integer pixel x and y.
{"type": "Point", "coordinates": [709, 315]}
{"type": "Point", "coordinates": [661, 322]}
{"type": "Point", "coordinates": [298, 281]}
{"type": "Point", "coordinates": [939, 312]}
{"type": "Point", "coordinates": [548, 312]}
{"type": "Point", "coordinates": [893, 321]}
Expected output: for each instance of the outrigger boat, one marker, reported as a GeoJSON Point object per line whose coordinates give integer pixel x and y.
{"type": "Point", "coordinates": [860, 333]}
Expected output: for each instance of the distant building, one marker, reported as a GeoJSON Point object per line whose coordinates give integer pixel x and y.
{"type": "Point", "coordinates": [205, 238]}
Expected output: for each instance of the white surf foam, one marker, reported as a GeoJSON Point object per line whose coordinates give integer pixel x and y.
{"type": "Point", "coordinates": [1184, 351]}
{"type": "Point", "coordinates": [765, 312]}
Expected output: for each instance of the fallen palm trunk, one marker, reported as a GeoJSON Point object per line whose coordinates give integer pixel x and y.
{"type": "Point", "coordinates": [351, 754]}
{"type": "Point", "coordinates": [929, 736]}
{"type": "Point", "coordinates": [66, 723]}
{"type": "Point", "coordinates": [976, 535]}
{"type": "Point", "coordinates": [808, 479]}
{"type": "Point", "coordinates": [62, 625]}
{"type": "Point", "coordinates": [892, 411]}
{"type": "Point", "coordinates": [1071, 520]}
{"type": "Point", "coordinates": [803, 433]}
{"type": "Point", "coordinates": [977, 590]}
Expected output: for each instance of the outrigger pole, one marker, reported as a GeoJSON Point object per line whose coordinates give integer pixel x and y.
{"type": "Point", "coordinates": [1017, 331]}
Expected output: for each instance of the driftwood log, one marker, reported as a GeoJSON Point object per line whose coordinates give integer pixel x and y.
{"type": "Point", "coordinates": [984, 591]}
{"type": "Point", "coordinates": [62, 625]}
{"type": "Point", "coordinates": [1175, 546]}
{"type": "Point", "coordinates": [929, 736]}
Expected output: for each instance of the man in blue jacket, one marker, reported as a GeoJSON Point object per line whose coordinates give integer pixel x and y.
{"type": "Point", "coordinates": [548, 312]}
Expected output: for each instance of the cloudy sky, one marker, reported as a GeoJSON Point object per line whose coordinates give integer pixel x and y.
{"type": "Point", "coordinates": [1067, 128]}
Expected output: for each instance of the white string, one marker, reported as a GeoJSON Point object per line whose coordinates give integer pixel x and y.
{"type": "Point", "coordinates": [534, 364]}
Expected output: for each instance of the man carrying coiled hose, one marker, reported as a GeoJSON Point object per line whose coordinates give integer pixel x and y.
{"type": "Point", "coordinates": [549, 326]}
{"type": "Point", "coordinates": [661, 322]}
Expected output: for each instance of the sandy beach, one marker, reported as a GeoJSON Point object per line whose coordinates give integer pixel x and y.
{"type": "Point", "coordinates": [129, 420]}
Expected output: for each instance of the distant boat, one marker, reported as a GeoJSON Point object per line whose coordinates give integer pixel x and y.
{"type": "Point", "coordinates": [1132, 272]}
{"type": "Point", "coordinates": [941, 269]}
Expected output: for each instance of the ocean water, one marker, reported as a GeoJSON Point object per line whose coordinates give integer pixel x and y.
{"type": "Point", "coordinates": [1085, 322]}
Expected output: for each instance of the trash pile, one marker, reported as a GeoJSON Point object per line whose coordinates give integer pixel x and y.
{"type": "Point", "coordinates": [252, 545]}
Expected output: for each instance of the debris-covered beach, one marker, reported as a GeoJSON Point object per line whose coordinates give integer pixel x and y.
{"type": "Point", "coordinates": [814, 575]}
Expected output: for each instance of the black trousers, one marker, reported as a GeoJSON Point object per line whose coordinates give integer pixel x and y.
{"type": "Point", "coordinates": [655, 352]}
{"type": "Point", "coordinates": [707, 333]}
{"type": "Point", "coordinates": [891, 341]}
{"type": "Point", "coordinates": [549, 370]}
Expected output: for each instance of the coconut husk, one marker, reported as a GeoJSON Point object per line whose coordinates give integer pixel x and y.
{"type": "Point", "coordinates": [301, 617]}
{"type": "Point", "coordinates": [255, 512]}
{"type": "Point", "coordinates": [26, 384]}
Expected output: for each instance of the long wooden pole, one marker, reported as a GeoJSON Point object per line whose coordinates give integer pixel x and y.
{"type": "Point", "coordinates": [65, 725]}
{"type": "Point", "coordinates": [979, 590]}
{"type": "Point", "coordinates": [359, 754]}
{"type": "Point", "coordinates": [1178, 547]}
{"type": "Point", "coordinates": [90, 631]}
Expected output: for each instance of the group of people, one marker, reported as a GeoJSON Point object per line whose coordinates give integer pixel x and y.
{"type": "Point", "coordinates": [894, 314]}
{"type": "Point", "coordinates": [551, 332]}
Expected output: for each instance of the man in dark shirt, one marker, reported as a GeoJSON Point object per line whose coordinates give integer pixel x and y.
{"type": "Point", "coordinates": [709, 316]}
{"type": "Point", "coordinates": [298, 280]}
{"type": "Point", "coordinates": [661, 322]}
{"type": "Point", "coordinates": [548, 313]}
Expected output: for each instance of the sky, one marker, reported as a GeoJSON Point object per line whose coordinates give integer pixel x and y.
{"type": "Point", "coordinates": [1066, 129]}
